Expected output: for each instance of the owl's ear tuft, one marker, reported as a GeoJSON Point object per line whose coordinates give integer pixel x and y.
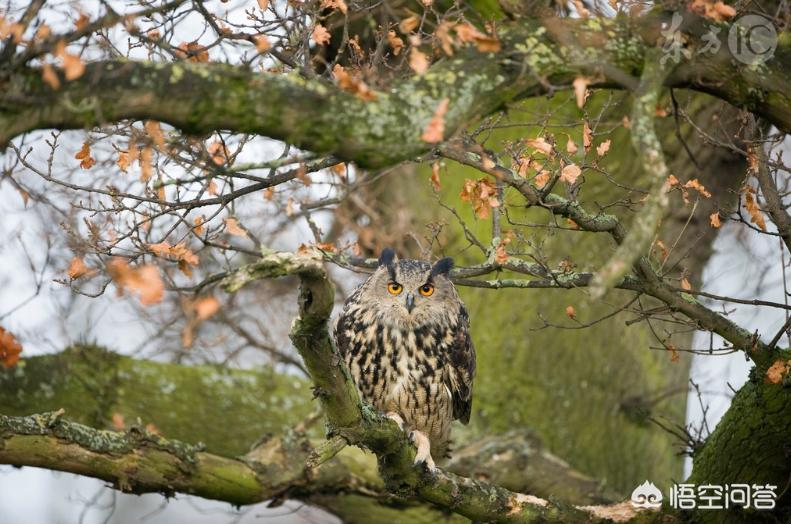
{"type": "Point", "coordinates": [387, 257]}
{"type": "Point", "coordinates": [442, 267]}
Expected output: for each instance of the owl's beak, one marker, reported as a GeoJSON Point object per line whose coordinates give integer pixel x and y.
{"type": "Point", "coordinates": [410, 302]}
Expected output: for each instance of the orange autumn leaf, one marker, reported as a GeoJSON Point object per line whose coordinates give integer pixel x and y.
{"type": "Point", "coordinates": [715, 10]}
{"type": "Point", "coordinates": [218, 153]}
{"type": "Point", "coordinates": [146, 165]}
{"type": "Point", "coordinates": [206, 307]}
{"type": "Point", "coordinates": [77, 268]}
{"type": "Point", "coordinates": [73, 66]}
{"type": "Point", "coordinates": [570, 173]}
{"type": "Point", "coordinates": [752, 160]}
{"type": "Point", "coordinates": [269, 193]}
{"type": "Point", "coordinates": [571, 312]}
{"type": "Point", "coordinates": [542, 179]}
{"type": "Point", "coordinates": [469, 33]}
{"type": "Point", "coordinates": [198, 226]}
{"type": "Point", "coordinates": [117, 421]}
{"type": "Point", "coordinates": [418, 61]}
{"type": "Point", "coordinates": [580, 85]}
{"type": "Point", "coordinates": [49, 76]}
{"type": "Point", "coordinates": [539, 144]}
{"type": "Point", "coordinates": [626, 122]}
{"type": "Point", "coordinates": [154, 131]}
{"type": "Point", "coordinates": [339, 169]}
{"type": "Point", "coordinates": [395, 42]}
{"type": "Point", "coordinates": [15, 30]}
{"type": "Point", "coordinates": [697, 186]}
{"type": "Point", "coordinates": [409, 24]}
{"type": "Point", "coordinates": [685, 284]}
{"type": "Point", "coordinates": [751, 204]}
{"type": "Point", "coordinates": [179, 252]}
{"type": "Point", "coordinates": [123, 161]}
{"type": "Point", "coordinates": [144, 281]}
{"type": "Point", "coordinates": [571, 146]}
{"type": "Point", "coordinates": [662, 247]}
{"type": "Point", "coordinates": [777, 371]}
{"type": "Point", "coordinates": [84, 156]}
{"type": "Point", "coordinates": [435, 129]}
{"type": "Point", "coordinates": [263, 4]}
{"type": "Point", "coordinates": [212, 188]}
{"type": "Point", "coordinates": [602, 148]}
{"type": "Point", "coordinates": [674, 355]}
{"type": "Point", "coordinates": [587, 136]}
{"type": "Point", "coordinates": [10, 348]}
{"type": "Point", "coordinates": [233, 227]}
{"type": "Point", "coordinates": [43, 32]}
{"type": "Point", "coordinates": [435, 182]}
{"type": "Point", "coordinates": [82, 21]}
{"type": "Point", "coordinates": [714, 220]}
{"type": "Point", "coordinates": [501, 256]}
{"type": "Point", "coordinates": [262, 43]}
{"type": "Point", "coordinates": [320, 35]}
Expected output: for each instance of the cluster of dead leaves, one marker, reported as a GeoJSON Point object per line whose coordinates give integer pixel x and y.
{"type": "Point", "coordinates": [10, 348]}
{"type": "Point", "coordinates": [192, 51]}
{"type": "Point", "coordinates": [196, 311]}
{"type": "Point", "coordinates": [691, 185]}
{"type": "Point", "coordinates": [352, 83]}
{"type": "Point", "coordinates": [752, 207]}
{"type": "Point", "coordinates": [145, 281]}
{"type": "Point", "coordinates": [712, 9]}
{"type": "Point", "coordinates": [777, 371]}
{"type": "Point", "coordinates": [482, 194]}
{"type": "Point", "coordinates": [84, 156]}
{"type": "Point", "coordinates": [180, 253]}
{"type": "Point", "coordinates": [218, 153]}
{"type": "Point", "coordinates": [458, 34]}
{"type": "Point", "coordinates": [145, 156]}
{"type": "Point", "coordinates": [73, 66]}
{"type": "Point", "coordinates": [542, 155]}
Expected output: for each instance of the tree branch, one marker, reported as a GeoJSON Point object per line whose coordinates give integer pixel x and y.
{"type": "Point", "coordinates": [536, 55]}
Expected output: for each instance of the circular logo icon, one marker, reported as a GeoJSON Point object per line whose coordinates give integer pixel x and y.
{"type": "Point", "coordinates": [752, 39]}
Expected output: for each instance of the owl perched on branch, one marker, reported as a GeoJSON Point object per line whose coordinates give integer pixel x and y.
{"type": "Point", "coordinates": [404, 336]}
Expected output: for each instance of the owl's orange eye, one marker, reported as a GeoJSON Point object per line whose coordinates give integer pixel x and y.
{"type": "Point", "coordinates": [426, 290]}
{"type": "Point", "coordinates": [395, 288]}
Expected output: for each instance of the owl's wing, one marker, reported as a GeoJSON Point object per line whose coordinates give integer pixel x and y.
{"type": "Point", "coordinates": [461, 369]}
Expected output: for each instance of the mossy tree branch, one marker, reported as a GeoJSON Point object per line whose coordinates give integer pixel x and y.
{"type": "Point", "coordinates": [535, 54]}
{"type": "Point", "coordinates": [78, 380]}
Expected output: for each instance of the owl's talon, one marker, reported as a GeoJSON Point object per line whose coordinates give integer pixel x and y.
{"type": "Point", "coordinates": [395, 417]}
{"type": "Point", "coordinates": [423, 455]}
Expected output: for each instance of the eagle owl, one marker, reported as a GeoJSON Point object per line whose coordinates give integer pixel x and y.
{"type": "Point", "coordinates": [404, 336]}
